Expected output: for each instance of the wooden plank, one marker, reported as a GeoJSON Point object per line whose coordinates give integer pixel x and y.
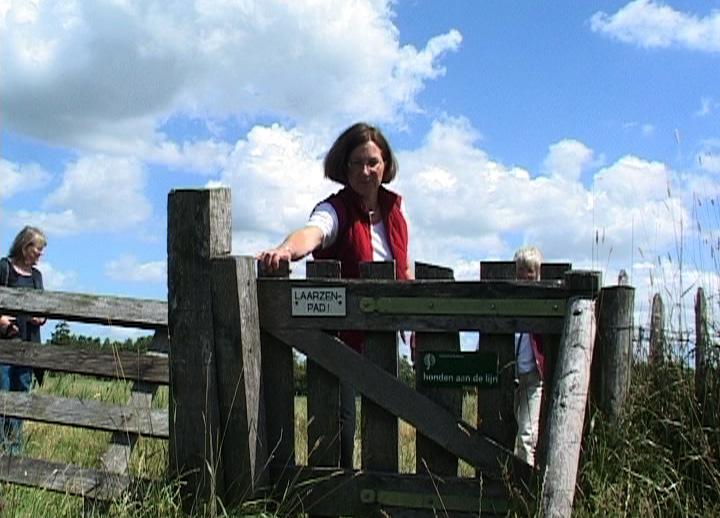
{"type": "Point", "coordinates": [429, 456]}
{"type": "Point", "coordinates": [93, 362]}
{"type": "Point", "coordinates": [198, 230]}
{"type": "Point", "coordinates": [275, 296]}
{"type": "Point", "coordinates": [85, 413]}
{"type": "Point", "coordinates": [496, 417]}
{"type": "Point", "coordinates": [332, 491]}
{"type": "Point", "coordinates": [278, 389]}
{"type": "Point", "coordinates": [65, 478]}
{"type": "Point", "coordinates": [116, 458]}
{"type": "Point", "coordinates": [79, 307]}
{"type": "Point", "coordinates": [237, 348]}
{"type": "Point", "coordinates": [323, 398]}
{"type": "Point", "coordinates": [379, 428]}
{"type": "Point", "coordinates": [567, 411]}
{"type": "Point", "coordinates": [495, 414]}
{"type": "Point", "coordinates": [402, 401]}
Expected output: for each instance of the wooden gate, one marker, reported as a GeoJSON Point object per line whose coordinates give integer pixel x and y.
{"type": "Point", "coordinates": [234, 333]}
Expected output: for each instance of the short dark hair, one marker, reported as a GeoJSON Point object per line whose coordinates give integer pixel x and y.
{"type": "Point", "coordinates": [336, 160]}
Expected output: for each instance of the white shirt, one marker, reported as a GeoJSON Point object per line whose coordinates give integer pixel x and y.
{"type": "Point", "coordinates": [525, 355]}
{"type": "Point", "coordinates": [325, 218]}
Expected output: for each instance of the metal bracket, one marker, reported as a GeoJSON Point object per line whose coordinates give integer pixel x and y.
{"type": "Point", "coordinates": [432, 501]}
{"type": "Point", "coordinates": [479, 307]}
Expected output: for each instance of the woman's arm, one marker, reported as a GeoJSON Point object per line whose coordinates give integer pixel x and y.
{"type": "Point", "coordinates": [295, 246]}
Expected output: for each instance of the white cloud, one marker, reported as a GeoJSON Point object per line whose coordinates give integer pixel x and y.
{"type": "Point", "coordinates": [106, 75]}
{"type": "Point", "coordinates": [97, 193]}
{"type": "Point", "coordinates": [128, 268]}
{"type": "Point", "coordinates": [707, 106]}
{"type": "Point", "coordinates": [652, 24]}
{"type": "Point", "coordinates": [276, 178]}
{"type": "Point", "coordinates": [54, 279]}
{"type": "Point", "coordinates": [16, 178]}
{"type": "Point", "coordinates": [567, 159]}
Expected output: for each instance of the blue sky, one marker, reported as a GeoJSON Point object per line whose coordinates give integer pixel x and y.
{"type": "Point", "coordinates": [587, 128]}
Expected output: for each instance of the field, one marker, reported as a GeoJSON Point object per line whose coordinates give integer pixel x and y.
{"type": "Point", "coordinates": [661, 459]}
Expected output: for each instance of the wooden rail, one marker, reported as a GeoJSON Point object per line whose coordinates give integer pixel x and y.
{"type": "Point", "coordinates": [127, 422]}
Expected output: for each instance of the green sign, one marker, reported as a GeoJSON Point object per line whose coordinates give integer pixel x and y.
{"type": "Point", "coordinates": [458, 369]}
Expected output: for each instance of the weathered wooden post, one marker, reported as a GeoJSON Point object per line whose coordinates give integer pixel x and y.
{"type": "Point", "coordinates": [701, 342]}
{"type": "Point", "coordinates": [656, 352]}
{"type": "Point", "coordinates": [237, 349]}
{"type": "Point", "coordinates": [429, 456]}
{"type": "Point", "coordinates": [198, 230]}
{"type": "Point", "coordinates": [612, 359]}
{"type": "Point", "coordinates": [495, 414]}
{"type": "Point", "coordinates": [277, 388]}
{"type": "Point", "coordinates": [567, 408]}
{"type": "Point", "coordinates": [323, 399]}
{"type": "Point", "coordinates": [379, 428]}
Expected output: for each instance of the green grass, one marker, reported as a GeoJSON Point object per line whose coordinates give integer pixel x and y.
{"type": "Point", "coordinates": [661, 459]}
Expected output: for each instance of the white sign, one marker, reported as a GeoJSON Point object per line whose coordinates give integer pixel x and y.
{"type": "Point", "coordinates": [318, 302]}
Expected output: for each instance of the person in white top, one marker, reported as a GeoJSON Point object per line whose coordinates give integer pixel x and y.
{"type": "Point", "coordinates": [529, 364]}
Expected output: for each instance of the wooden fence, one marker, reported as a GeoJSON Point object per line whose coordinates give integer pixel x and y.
{"type": "Point", "coordinates": [230, 422]}
{"type": "Point", "coordinates": [234, 333]}
{"type": "Point", "coordinates": [126, 422]}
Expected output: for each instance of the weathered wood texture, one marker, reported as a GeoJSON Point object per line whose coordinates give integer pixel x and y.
{"type": "Point", "coordinates": [402, 401]}
{"type": "Point", "coordinates": [502, 314]}
{"type": "Point", "coordinates": [277, 386]}
{"type": "Point", "coordinates": [656, 352]}
{"type": "Point", "coordinates": [85, 413]}
{"type": "Point", "coordinates": [701, 347]}
{"type": "Point", "coordinates": [116, 458]}
{"type": "Point", "coordinates": [94, 362]}
{"type": "Point", "coordinates": [493, 270]}
{"type": "Point", "coordinates": [612, 357]}
{"type": "Point", "coordinates": [328, 491]}
{"type": "Point", "coordinates": [198, 230]}
{"type": "Point", "coordinates": [323, 398]}
{"type": "Point", "coordinates": [237, 347]}
{"type": "Point", "coordinates": [429, 457]}
{"type": "Point", "coordinates": [64, 478]}
{"type": "Point", "coordinates": [567, 410]}
{"type": "Point", "coordinates": [379, 428]}
{"type": "Point", "coordinates": [78, 307]}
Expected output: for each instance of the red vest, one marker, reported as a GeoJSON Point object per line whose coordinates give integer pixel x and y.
{"type": "Point", "coordinates": [354, 243]}
{"type": "Point", "coordinates": [536, 343]}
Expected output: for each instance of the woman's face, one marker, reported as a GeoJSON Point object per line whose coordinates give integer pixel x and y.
{"type": "Point", "coordinates": [32, 253]}
{"type": "Point", "coordinates": [366, 169]}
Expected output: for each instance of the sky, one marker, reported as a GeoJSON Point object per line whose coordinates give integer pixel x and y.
{"type": "Point", "coordinates": [590, 129]}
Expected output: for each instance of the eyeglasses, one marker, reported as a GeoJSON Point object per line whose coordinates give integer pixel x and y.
{"type": "Point", "coordinates": [373, 164]}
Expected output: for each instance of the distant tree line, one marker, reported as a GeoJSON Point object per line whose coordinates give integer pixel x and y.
{"type": "Point", "coordinates": [62, 336]}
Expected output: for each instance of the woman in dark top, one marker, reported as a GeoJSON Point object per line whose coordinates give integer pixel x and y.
{"type": "Point", "coordinates": [18, 271]}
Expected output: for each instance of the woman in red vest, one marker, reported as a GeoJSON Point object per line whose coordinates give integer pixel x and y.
{"type": "Point", "coordinates": [364, 221]}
